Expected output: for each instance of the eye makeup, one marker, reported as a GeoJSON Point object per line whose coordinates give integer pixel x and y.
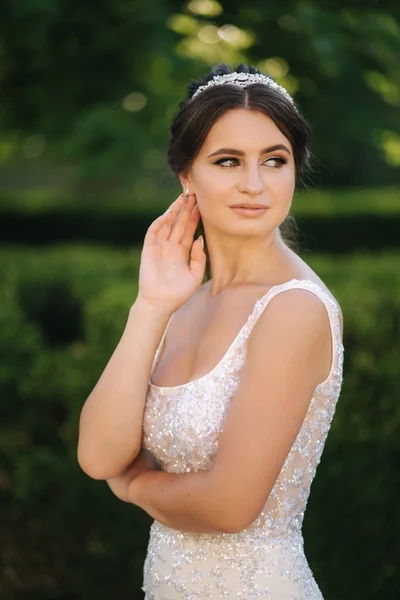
{"type": "Point", "coordinates": [279, 159]}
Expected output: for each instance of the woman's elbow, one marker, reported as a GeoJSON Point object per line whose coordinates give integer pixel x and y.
{"type": "Point", "coordinates": [101, 469]}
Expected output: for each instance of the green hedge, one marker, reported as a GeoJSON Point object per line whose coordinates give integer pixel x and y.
{"type": "Point", "coordinates": [66, 537]}
{"type": "Point", "coordinates": [339, 235]}
{"type": "Point", "coordinates": [332, 221]}
{"type": "Point", "coordinates": [384, 200]}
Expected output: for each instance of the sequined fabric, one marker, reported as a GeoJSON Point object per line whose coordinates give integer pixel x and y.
{"type": "Point", "coordinates": [181, 428]}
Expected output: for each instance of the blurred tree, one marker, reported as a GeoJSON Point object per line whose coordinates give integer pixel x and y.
{"type": "Point", "coordinates": [95, 84]}
{"type": "Point", "coordinates": [77, 76]}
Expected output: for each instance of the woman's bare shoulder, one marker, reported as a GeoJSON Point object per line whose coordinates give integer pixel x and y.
{"type": "Point", "coordinates": [312, 276]}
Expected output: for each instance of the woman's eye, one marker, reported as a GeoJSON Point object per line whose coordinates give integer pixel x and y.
{"type": "Point", "coordinates": [226, 160]}
{"type": "Point", "coordinates": [280, 161]}
{"type": "Point", "coordinates": [231, 162]}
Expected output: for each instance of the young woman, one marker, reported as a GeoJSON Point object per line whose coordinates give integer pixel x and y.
{"type": "Point", "coordinates": [213, 410]}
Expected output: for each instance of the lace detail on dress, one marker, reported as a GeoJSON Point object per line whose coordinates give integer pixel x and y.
{"type": "Point", "coordinates": [181, 428]}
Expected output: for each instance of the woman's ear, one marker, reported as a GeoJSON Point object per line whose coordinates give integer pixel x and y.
{"type": "Point", "coordinates": [185, 182]}
{"type": "Point", "coordinates": [182, 180]}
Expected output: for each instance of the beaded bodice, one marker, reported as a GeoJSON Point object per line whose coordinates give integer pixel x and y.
{"type": "Point", "coordinates": [181, 427]}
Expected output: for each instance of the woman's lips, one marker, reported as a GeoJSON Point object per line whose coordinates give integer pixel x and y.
{"type": "Point", "coordinates": [249, 212]}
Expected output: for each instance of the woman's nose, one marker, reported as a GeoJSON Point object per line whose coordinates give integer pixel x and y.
{"type": "Point", "coordinates": [251, 180]}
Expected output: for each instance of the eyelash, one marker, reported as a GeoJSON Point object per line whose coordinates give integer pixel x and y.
{"type": "Point", "coordinates": [282, 161]}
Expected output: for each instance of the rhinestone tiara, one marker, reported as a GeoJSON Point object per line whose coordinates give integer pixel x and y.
{"type": "Point", "coordinates": [243, 80]}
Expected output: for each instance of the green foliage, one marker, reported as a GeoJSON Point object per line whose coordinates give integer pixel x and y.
{"type": "Point", "coordinates": [94, 86]}
{"type": "Point", "coordinates": [328, 220]}
{"type": "Point", "coordinates": [88, 92]}
{"type": "Point", "coordinates": [65, 536]}
{"type": "Point", "coordinates": [384, 200]}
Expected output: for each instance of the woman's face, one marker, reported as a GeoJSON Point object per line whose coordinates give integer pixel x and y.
{"type": "Point", "coordinates": [237, 164]}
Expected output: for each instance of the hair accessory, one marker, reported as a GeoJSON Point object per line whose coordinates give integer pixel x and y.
{"type": "Point", "coordinates": [243, 80]}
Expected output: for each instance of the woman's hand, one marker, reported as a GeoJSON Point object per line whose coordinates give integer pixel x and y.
{"type": "Point", "coordinates": [144, 461]}
{"type": "Point", "coordinates": [166, 276]}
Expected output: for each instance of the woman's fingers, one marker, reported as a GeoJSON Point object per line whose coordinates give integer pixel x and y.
{"type": "Point", "coordinates": [180, 222]}
{"type": "Point", "coordinates": [163, 233]}
{"type": "Point", "coordinates": [177, 202]}
{"type": "Point", "coordinates": [175, 212]}
{"type": "Point", "coordinates": [187, 238]}
{"type": "Point", "coordinates": [197, 262]}
{"type": "Point", "coordinates": [153, 231]}
{"type": "Point", "coordinates": [164, 220]}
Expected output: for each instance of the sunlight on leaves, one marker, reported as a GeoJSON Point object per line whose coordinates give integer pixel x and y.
{"type": "Point", "coordinates": [134, 102]}
{"type": "Point", "coordinates": [275, 66]}
{"type": "Point", "coordinates": [9, 146]}
{"type": "Point", "coordinates": [290, 83]}
{"type": "Point", "coordinates": [183, 24]}
{"type": "Point", "coordinates": [390, 144]}
{"type": "Point", "coordinates": [278, 68]}
{"type": "Point", "coordinates": [388, 23]}
{"type": "Point", "coordinates": [379, 83]}
{"type": "Point", "coordinates": [235, 36]}
{"type": "Point", "coordinates": [208, 34]}
{"type": "Point", "coordinates": [209, 8]}
{"type": "Point", "coordinates": [193, 47]}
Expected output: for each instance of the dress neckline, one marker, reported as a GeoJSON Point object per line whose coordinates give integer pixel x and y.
{"type": "Point", "coordinates": [222, 360]}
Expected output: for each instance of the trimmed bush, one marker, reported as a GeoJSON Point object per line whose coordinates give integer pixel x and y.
{"type": "Point", "coordinates": [331, 221]}
{"type": "Point", "coordinates": [65, 536]}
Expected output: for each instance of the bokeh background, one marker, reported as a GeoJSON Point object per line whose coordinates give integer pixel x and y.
{"type": "Point", "coordinates": [87, 92]}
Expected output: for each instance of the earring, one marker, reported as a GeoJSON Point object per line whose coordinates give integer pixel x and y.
{"type": "Point", "coordinates": [187, 195]}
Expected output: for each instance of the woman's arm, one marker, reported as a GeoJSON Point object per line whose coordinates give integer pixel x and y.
{"type": "Point", "coordinates": [287, 357]}
{"type": "Point", "coordinates": [111, 420]}
{"type": "Point", "coordinates": [184, 506]}
{"type": "Point", "coordinates": [119, 485]}
{"type": "Point", "coordinates": [189, 502]}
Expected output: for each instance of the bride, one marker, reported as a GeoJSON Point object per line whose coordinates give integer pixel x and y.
{"type": "Point", "coordinates": [213, 411]}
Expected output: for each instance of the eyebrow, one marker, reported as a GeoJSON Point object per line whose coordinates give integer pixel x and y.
{"type": "Point", "coordinates": [241, 153]}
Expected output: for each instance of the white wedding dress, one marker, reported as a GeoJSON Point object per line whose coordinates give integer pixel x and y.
{"type": "Point", "coordinates": [181, 428]}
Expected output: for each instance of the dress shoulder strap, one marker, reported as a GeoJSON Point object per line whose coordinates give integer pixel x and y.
{"type": "Point", "coordinates": [331, 307]}
{"type": "Point", "coordinates": [258, 309]}
{"type": "Point", "coordinates": [159, 347]}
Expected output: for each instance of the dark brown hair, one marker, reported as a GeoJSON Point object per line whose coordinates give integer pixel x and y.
{"type": "Point", "coordinates": [196, 116]}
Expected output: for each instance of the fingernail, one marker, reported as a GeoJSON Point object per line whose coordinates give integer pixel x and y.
{"type": "Point", "coordinates": [202, 241]}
